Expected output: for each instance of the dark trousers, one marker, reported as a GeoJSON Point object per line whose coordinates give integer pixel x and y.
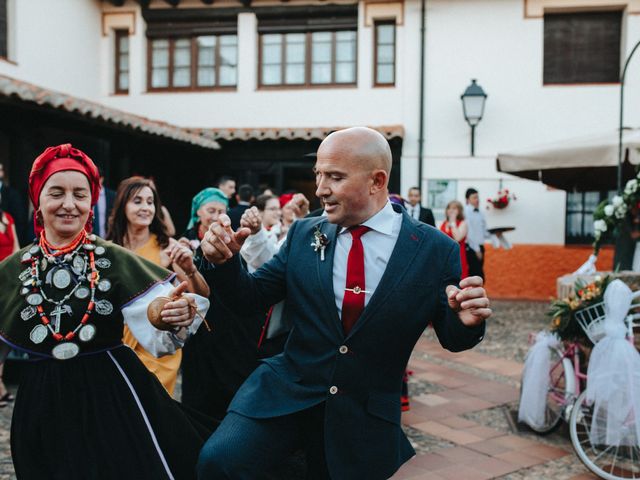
{"type": "Point", "coordinates": [244, 448]}
{"type": "Point", "coordinates": [475, 264]}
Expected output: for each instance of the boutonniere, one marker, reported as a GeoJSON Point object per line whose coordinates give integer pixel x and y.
{"type": "Point", "coordinates": [320, 242]}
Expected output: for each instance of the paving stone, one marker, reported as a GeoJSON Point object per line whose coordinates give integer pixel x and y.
{"type": "Point", "coordinates": [458, 472]}
{"type": "Point", "coordinates": [457, 422]}
{"type": "Point", "coordinates": [520, 459]}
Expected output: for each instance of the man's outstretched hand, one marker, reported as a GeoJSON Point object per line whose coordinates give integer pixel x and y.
{"type": "Point", "coordinates": [221, 243]}
{"type": "Point", "coordinates": [470, 301]}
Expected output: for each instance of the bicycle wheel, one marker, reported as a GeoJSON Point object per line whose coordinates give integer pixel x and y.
{"type": "Point", "coordinates": [562, 387]}
{"type": "Point", "coordinates": [611, 462]}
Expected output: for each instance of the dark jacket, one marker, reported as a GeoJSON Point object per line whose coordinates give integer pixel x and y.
{"type": "Point", "coordinates": [235, 214]}
{"type": "Point", "coordinates": [363, 436]}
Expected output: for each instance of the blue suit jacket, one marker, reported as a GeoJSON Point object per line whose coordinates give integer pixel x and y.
{"type": "Point", "coordinates": [363, 437]}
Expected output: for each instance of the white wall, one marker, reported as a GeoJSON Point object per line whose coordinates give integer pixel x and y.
{"type": "Point", "coordinates": [493, 42]}
{"type": "Point", "coordinates": [59, 44]}
{"type": "Point", "coordinates": [253, 107]}
{"type": "Point", "coordinates": [55, 44]}
{"type": "Point", "coordinates": [537, 213]}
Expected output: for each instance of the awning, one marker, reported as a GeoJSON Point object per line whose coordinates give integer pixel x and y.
{"type": "Point", "coordinates": [584, 163]}
{"type": "Point", "coordinates": [27, 92]}
{"type": "Point", "coordinates": [277, 133]}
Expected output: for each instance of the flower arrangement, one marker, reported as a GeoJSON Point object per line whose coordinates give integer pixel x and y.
{"type": "Point", "coordinates": [502, 199]}
{"type": "Point", "coordinates": [562, 311]}
{"type": "Point", "coordinates": [320, 242]}
{"type": "Point", "coordinates": [611, 213]}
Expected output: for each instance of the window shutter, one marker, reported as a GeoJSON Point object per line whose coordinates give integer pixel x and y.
{"type": "Point", "coordinates": [307, 18]}
{"type": "Point", "coordinates": [582, 47]}
{"type": "Point", "coordinates": [3, 29]}
{"type": "Point", "coordinates": [170, 23]}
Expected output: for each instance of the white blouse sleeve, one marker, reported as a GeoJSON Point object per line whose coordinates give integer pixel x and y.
{"type": "Point", "coordinates": [258, 249]}
{"type": "Point", "coordinates": [159, 342]}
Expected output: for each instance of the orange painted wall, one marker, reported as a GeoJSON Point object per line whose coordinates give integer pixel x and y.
{"type": "Point", "coordinates": [530, 271]}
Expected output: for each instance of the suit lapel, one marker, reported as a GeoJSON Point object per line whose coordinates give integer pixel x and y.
{"type": "Point", "coordinates": [407, 246]}
{"type": "Point", "coordinates": [325, 272]}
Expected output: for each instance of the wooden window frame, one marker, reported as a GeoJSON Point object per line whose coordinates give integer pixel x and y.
{"type": "Point", "coordinates": [376, 24]}
{"type": "Point", "coordinates": [193, 87]}
{"type": "Point", "coordinates": [119, 34]}
{"type": "Point", "coordinates": [308, 63]}
{"type": "Point", "coordinates": [587, 216]}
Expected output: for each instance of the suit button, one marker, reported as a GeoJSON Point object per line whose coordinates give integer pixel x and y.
{"type": "Point", "coordinates": [333, 390]}
{"type": "Point", "coordinates": [343, 349]}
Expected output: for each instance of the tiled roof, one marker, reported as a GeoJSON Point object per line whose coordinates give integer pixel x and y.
{"type": "Point", "coordinates": [27, 92]}
{"type": "Point", "coordinates": [301, 133]}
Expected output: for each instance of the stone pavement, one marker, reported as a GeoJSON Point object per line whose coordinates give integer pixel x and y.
{"type": "Point", "coordinates": [459, 424]}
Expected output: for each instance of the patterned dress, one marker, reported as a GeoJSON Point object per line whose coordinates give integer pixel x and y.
{"type": "Point", "coordinates": [99, 414]}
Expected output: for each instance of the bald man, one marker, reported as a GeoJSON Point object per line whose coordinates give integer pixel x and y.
{"type": "Point", "coordinates": [361, 284]}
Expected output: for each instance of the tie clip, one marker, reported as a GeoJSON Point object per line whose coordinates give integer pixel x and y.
{"type": "Point", "coordinates": [357, 290]}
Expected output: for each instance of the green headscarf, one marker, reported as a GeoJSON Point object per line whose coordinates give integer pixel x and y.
{"type": "Point", "coordinates": [207, 195]}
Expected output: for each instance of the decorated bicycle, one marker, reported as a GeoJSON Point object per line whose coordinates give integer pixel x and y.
{"type": "Point", "coordinates": [586, 370]}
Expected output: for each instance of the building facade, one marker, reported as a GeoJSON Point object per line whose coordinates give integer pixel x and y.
{"type": "Point", "coordinates": [268, 80]}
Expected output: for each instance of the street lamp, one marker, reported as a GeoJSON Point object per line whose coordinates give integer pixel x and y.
{"type": "Point", "coordinates": [473, 100]}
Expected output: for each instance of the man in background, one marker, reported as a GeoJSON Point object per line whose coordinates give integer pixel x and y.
{"type": "Point", "coordinates": [245, 198]}
{"type": "Point", "coordinates": [102, 210]}
{"type": "Point", "coordinates": [416, 210]}
{"type": "Point", "coordinates": [227, 185]}
{"type": "Point", "coordinates": [477, 233]}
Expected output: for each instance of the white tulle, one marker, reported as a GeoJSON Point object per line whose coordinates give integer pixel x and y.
{"type": "Point", "coordinates": [535, 380]}
{"type": "Point", "coordinates": [613, 377]}
{"type": "Point", "coordinates": [588, 267]}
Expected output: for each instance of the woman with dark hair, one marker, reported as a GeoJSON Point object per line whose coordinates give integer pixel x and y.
{"type": "Point", "coordinates": [86, 406]}
{"type": "Point", "coordinates": [8, 246]}
{"type": "Point", "coordinates": [135, 224]}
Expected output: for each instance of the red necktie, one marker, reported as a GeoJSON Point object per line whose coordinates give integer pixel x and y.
{"type": "Point", "coordinates": [354, 293]}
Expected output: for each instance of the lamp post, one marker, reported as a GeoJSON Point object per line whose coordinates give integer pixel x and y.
{"type": "Point", "coordinates": [624, 73]}
{"type": "Point", "coordinates": [473, 100]}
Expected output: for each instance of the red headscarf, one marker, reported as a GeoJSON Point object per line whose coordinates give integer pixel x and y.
{"type": "Point", "coordinates": [58, 159]}
{"type": "Point", "coordinates": [285, 198]}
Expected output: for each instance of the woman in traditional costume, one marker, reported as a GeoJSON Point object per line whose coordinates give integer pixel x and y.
{"type": "Point", "coordinates": [206, 206]}
{"type": "Point", "coordinates": [87, 408]}
{"type": "Point", "coordinates": [136, 224]}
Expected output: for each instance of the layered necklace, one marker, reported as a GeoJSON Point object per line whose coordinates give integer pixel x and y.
{"type": "Point", "coordinates": [75, 266]}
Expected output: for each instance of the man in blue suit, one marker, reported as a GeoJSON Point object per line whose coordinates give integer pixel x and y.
{"type": "Point", "coordinates": [361, 284]}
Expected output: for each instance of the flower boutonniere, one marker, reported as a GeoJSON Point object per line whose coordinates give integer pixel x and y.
{"type": "Point", "coordinates": [320, 242]}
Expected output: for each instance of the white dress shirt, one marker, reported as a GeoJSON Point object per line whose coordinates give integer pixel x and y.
{"type": "Point", "coordinates": [477, 227]}
{"type": "Point", "coordinates": [414, 212]}
{"type": "Point", "coordinates": [261, 247]}
{"type": "Point", "coordinates": [378, 243]}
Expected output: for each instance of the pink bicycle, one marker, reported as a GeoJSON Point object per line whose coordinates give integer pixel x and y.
{"type": "Point", "coordinates": [566, 399]}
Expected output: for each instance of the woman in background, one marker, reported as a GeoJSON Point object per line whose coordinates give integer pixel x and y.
{"type": "Point", "coordinates": [8, 246]}
{"type": "Point", "coordinates": [216, 362]}
{"type": "Point", "coordinates": [456, 227]}
{"type": "Point", "coordinates": [206, 206]}
{"type": "Point", "coordinates": [135, 224]}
